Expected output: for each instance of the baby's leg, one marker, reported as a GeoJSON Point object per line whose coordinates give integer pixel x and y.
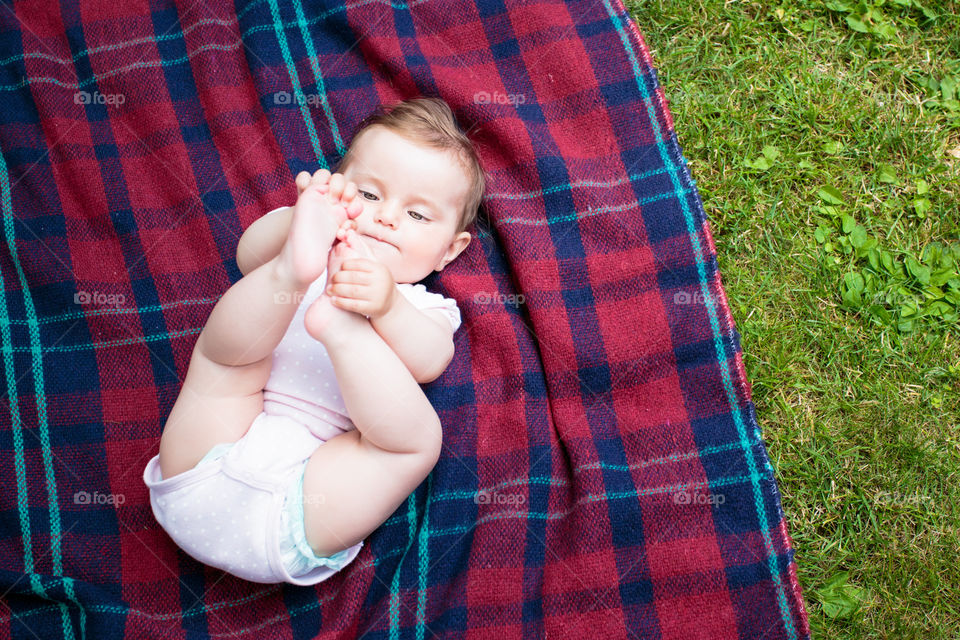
{"type": "Point", "coordinates": [223, 391]}
{"type": "Point", "coordinates": [356, 480]}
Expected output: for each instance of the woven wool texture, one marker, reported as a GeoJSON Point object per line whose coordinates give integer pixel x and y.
{"type": "Point", "coordinates": [603, 474]}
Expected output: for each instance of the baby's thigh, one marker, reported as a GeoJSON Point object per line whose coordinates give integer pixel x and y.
{"type": "Point", "coordinates": [351, 487]}
{"type": "Point", "coordinates": [217, 403]}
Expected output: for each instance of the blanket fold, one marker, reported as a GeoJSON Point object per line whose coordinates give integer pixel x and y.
{"type": "Point", "coordinates": [603, 472]}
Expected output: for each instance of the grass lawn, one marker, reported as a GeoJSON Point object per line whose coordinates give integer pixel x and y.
{"type": "Point", "coordinates": [824, 138]}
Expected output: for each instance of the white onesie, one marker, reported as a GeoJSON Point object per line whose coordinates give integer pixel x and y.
{"type": "Point", "coordinates": [240, 508]}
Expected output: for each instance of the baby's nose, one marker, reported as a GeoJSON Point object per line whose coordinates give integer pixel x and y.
{"type": "Point", "coordinates": [387, 215]}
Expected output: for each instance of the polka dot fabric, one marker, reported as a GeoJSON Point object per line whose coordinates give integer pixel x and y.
{"type": "Point", "coordinates": [230, 512]}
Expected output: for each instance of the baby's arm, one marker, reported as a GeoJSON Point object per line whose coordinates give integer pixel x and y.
{"type": "Point", "coordinates": [423, 340]}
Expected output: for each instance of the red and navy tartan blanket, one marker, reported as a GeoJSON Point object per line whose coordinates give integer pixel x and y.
{"type": "Point", "coordinates": [603, 473]}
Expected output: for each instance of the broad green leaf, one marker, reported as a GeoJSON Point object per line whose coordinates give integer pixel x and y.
{"type": "Point", "coordinates": [927, 13]}
{"type": "Point", "coordinates": [922, 187]}
{"type": "Point", "coordinates": [854, 281]}
{"type": "Point", "coordinates": [835, 5]}
{"type": "Point", "coordinates": [848, 223]}
{"type": "Point", "coordinates": [922, 206]}
{"type": "Point", "coordinates": [771, 152]}
{"type": "Point", "coordinates": [932, 293]}
{"type": "Point", "coordinates": [941, 277]}
{"type": "Point", "coordinates": [938, 308]}
{"type": "Point", "coordinates": [830, 195]}
{"type": "Point", "coordinates": [858, 236]}
{"type": "Point", "coordinates": [887, 174]}
{"type": "Point", "coordinates": [832, 147]}
{"type": "Point", "coordinates": [931, 253]}
{"type": "Point", "coordinates": [762, 163]}
{"type": "Point", "coordinates": [917, 270]}
{"type": "Point", "coordinates": [906, 326]}
{"type": "Point", "coordinates": [881, 313]}
{"type": "Point", "coordinates": [849, 298]}
{"type": "Point", "coordinates": [948, 87]}
{"type": "Point", "coordinates": [857, 25]}
{"type": "Point", "coordinates": [829, 210]}
{"type": "Point", "coordinates": [887, 261]}
{"type": "Point", "coordinates": [885, 30]}
{"type": "Point", "coordinates": [838, 598]}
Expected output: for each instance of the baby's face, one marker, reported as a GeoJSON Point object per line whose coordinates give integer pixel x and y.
{"type": "Point", "coordinates": [412, 197]}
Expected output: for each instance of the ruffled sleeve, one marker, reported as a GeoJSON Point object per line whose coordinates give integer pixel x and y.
{"type": "Point", "coordinates": [422, 299]}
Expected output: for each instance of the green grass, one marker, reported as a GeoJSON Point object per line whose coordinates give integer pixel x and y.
{"type": "Point", "coordinates": [861, 415]}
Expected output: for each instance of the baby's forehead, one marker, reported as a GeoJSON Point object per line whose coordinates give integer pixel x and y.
{"type": "Point", "coordinates": [389, 167]}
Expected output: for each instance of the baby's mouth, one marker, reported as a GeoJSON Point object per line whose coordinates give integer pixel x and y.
{"type": "Point", "coordinates": [377, 240]}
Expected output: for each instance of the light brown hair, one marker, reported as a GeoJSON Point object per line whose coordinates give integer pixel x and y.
{"type": "Point", "coordinates": [430, 121]}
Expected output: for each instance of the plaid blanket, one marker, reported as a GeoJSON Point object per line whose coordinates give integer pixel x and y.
{"type": "Point", "coordinates": [603, 473]}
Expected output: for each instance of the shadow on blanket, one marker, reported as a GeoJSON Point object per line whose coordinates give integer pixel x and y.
{"type": "Point", "coordinates": [603, 472]}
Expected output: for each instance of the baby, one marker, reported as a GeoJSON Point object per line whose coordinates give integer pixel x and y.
{"type": "Point", "coordinates": [301, 425]}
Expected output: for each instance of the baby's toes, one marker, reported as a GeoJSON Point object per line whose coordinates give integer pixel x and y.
{"type": "Point", "coordinates": [351, 200]}
{"type": "Point", "coordinates": [337, 185]}
{"type": "Point", "coordinates": [355, 207]}
{"type": "Point", "coordinates": [357, 246]}
{"type": "Point", "coordinates": [320, 180]}
{"type": "Point", "coordinates": [303, 181]}
{"type": "Point", "coordinates": [339, 213]}
{"type": "Point", "coordinates": [349, 191]}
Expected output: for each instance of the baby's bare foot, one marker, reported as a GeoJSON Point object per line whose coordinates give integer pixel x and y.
{"type": "Point", "coordinates": [321, 208]}
{"type": "Point", "coordinates": [325, 321]}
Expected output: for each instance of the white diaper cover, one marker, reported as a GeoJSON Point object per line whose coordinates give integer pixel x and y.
{"type": "Point", "coordinates": [240, 509]}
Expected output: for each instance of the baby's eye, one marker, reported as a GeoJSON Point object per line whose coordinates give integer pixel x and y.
{"type": "Point", "coordinates": [366, 193]}
{"type": "Point", "coordinates": [414, 213]}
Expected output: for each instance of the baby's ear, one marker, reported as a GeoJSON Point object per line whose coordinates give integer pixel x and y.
{"type": "Point", "coordinates": [457, 246]}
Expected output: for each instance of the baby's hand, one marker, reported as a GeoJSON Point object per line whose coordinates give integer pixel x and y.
{"type": "Point", "coordinates": [341, 190]}
{"type": "Point", "coordinates": [361, 284]}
